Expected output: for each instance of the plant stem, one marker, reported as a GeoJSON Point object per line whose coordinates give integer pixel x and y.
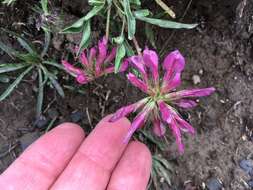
{"type": "Point", "coordinates": [108, 22]}
{"type": "Point", "coordinates": [137, 47]}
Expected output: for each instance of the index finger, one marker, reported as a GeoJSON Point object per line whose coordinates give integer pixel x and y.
{"type": "Point", "coordinates": [93, 163]}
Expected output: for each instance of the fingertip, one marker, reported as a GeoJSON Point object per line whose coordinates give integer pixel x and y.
{"type": "Point", "coordinates": [73, 128]}
{"type": "Point", "coordinates": [123, 121]}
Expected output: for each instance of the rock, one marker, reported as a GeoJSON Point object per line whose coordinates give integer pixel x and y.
{"type": "Point", "coordinates": [247, 166]}
{"type": "Point", "coordinates": [214, 184]}
{"type": "Point", "coordinates": [28, 139]}
{"type": "Point", "coordinates": [76, 116]}
{"type": "Point", "coordinates": [196, 79]}
{"type": "Point", "coordinates": [41, 122]}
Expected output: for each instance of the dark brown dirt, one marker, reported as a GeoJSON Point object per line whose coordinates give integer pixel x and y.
{"type": "Point", "coordinates": [219, 51]}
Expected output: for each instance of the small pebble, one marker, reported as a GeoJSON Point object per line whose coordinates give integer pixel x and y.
{"type": "Point", "coordinates": [214, 184]}
{"type": "Point", "coordinates": [28, 139]}
{"type": "Point", "coordinates": [41, 122]}
{"type": "Point", "coordinates": [196, 79]}
{"type": "Point", "coordinates": [53, 113]}
{"type": "Point", "coordinates": [76, 116]}
{"type": "Point", "coordinates": [247, 166]}
{"type": "Point", "coordinates": [201, 71]}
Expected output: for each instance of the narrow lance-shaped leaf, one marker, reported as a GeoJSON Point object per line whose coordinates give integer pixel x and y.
{"type": "Point", "coordinates": [141, 13]}
{"type": "Point", "coordinates": [54, 82]}
{"type": "Point", "coordinates": [8, 91]}
{"type": "Point", "coordinates": [40, 94]}
{"type": "Point", "coordinates": [131, 22]}
{"type": "Point", "coordinates": [78, 25]}
{"type": "Point", "coordinates": [8, 50]}
{"type": "Point", "coordinates": [120, 54]}
{"type": "Point", "coordinates": [47, 39]}
{"type": "Point", "coordinates": [44, 5]}
{"type": "Point", "coordinates": [166, 23]}
{"type": "Point", "coordinates": [86, 36]}
{"type": "Point", "coordinates": [8, 67]}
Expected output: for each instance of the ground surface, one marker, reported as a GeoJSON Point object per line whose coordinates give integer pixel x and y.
{"type": "Point", "coordinates": [219, 52]}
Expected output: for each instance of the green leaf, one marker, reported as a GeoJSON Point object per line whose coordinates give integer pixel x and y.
{"type": "Point", "coordinates": [54, 64]}
{"type": "Point", "coordinates": [141, 13]}
{"type": "Point", "coordinates": [22, 41]}
{"type": "Point", "coordinates": [78, 25]}
{"type": "Point", "coordinates": [120, 54]}
{"type": "Point", "coordinates": [129, 49]}
{"type": "Point", "coordinates": [8, 67]}
{"type": "Point", "coordinates": [86, 36]}
{"type": "Point", "coordinates": [8, 91]}
{"type": "Point", "coordinates": [53, 81]}
{"type": "Point", "coordinates": [150, 35]}
{"type": "Point", "coordinates": [96, 2]}
{"type": "Point", "coordinates": [166, 23]}
{"type": "Point", "coordinates": [131, 22]}
{"type": "Point", "coordinates": [162, 172]}
{"type": "Point", "coordinates": [44, 5]}
{"type": "Point", "coordinates": [47, 39]}
{"type": "Point", "coordinates": [40, 95]}
{"type": "Point", "coordinates": [8, 50]}
{"type": "Point", "coordinates": [136, 2]}
{"type": "Point", "coordinates": [74, 28]}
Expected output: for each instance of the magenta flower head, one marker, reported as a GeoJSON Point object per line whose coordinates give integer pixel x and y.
{"type": "Point", "coordinates": [94, 63]}
{"type": "Point", "coordinates": [158, 106]}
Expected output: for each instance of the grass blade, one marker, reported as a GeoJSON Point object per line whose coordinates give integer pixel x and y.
{"type": "Point", "coordinates": [8, 67]}
{"type": "Point", "coordinates": [8, 91]}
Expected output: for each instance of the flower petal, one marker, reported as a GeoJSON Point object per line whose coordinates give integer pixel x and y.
{"type": "Point", "coordinates": [166, 113]}
{"type": "Point", "coordinates": [71, 69]}
{"type": "Point", "coordinates": [170, 85]}
{"type": "Point", "coordinates": [124, 66]}
{"type": "Point", "coordinates": [177, 134]}
{"type": "Point", "coordinates": [102, 52]}
{"type": "Point", "coordinates": [191, 93]}
{"type": "Point", "coordinates": [124, 111]}
{"type": "Point", "coordinates": [111, 56]}
{"type": "Point", "coordinates": [82, 79]}
{"type": "Point", "coordinates": [92, 56]}
{"type": "Point", "coordinates": [137, 82]}
{"type": "Point", "coordinates": [174, 62]}
{"type": "Point", "coordinates": [184, 125]}
{"type": "Point", "coordinates": [184, 103]}
{"type": "Point", "coordinates": [150, 59]}
{"type": "Point", "coordinates": [137, 62]}
{"type": "Point", "coordinates": [83, 59]}
{"type": "Point", "coordinates": [138, 122]}
{"type": "Point", "coordinates": [158, 128]}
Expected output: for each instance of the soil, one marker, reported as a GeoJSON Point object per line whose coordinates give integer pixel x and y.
{"type": "Point", "coordinates": [218, 52]}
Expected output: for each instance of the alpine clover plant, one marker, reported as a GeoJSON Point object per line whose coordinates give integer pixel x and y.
{"type": "Point", "coordinates": [30, 61]}
{"type": "Point", "coordinates": [123, 13]}
{"type": "Point", "coordinates": [94, 63]}
{"type": "Point", "coordinates": [158, 106]}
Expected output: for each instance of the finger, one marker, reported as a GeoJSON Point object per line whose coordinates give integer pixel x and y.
{"type": "Point", "coordinates": [91, 167]}
{"type": "Point", "coordinates": [42, 162]}
{"type": "Point", "coordinates": [133, 170]}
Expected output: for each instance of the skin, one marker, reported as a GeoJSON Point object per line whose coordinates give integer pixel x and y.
{"type": "Point", "coordinates": [64, 159]}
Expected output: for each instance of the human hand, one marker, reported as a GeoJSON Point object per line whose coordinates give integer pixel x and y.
{"type": "Point", "coordinates": [63, 159]}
